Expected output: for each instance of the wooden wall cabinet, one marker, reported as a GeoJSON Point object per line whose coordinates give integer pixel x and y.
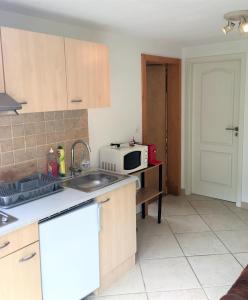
{"type": "Point", "coordinates": [87, 68]}
{"type": "Point", "coordinates": [118, 233]}
{"type": "Point", "coordinates": [50, 73]}
{"type": "Point", "coordinates": [20, 276]}
{"type": "Point", "coordinates": [34, 69]}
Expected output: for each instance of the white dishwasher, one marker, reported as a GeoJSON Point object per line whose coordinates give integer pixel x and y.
{"type": "Point", "coordinates": [69, 248]}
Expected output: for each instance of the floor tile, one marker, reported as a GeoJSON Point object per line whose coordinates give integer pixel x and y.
{"type": "Point", "coordinates": [235, 241]}
{"type": "Point", "coordinates": [224, 222]}
{"type": "Point", "coordinates": [168, 274]}
{"type": "Point", "coordinates": [181, 224]}
{"type": "Point", "coordinates": [208, 207]}
{"type": "Point", "coordinates": [131, 282]}
{"type": "Point", "coordinates": [200, 197]}
{"type": "Point", "coordinates": [215, 270]}
{"type": "Point", "coordinates": [150, 226]}
{"type": "Point", "coordinates": [242, 258]}
{"type": "Point", "coordinates": [243, 215]}
{"type": "Point", "coordinates": [120, 297]}
{"type": "Point", "coordinates": [215, 293]}
{"type": "Point", "coordinates": [158, 246]}
{"type": "Point", "coordinates": [200, 243]}
{"type": "Point", "coordinates": [177, 207]}
{"type": "Point", "coordinates": [195, 294]}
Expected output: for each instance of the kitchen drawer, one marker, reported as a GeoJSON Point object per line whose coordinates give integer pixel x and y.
{"type": "Point", "coordinates": [18, 239]}
{"type": "Point", "coordinates": [20, 275]}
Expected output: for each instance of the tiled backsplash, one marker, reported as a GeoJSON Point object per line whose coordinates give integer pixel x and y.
{"type": "Point", "coordinates": [26, 139]}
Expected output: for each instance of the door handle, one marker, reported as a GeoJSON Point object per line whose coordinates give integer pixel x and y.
{"type": "Point", "coordinates": [236, 129]}
{"type": "Point", "coordinates": [28, 257]}
{"type": "Point", "coordinates": [76, 100]}
{"type": "Point", "coordinates": [3, 245]}
{"type": "Point", "coordinates": [105, 201]}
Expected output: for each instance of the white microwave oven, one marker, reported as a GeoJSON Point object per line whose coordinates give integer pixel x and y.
{"type": "Point", "coordinates": [124, 159]}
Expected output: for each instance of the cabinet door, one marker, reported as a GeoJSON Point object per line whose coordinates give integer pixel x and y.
{"type": "Point", "coordinates": [20, 275]}
{"type": "Point", "coordinates": [2, 89]}
{"type": "Point", "coordinates": [118, 228]}
{"type": "Point", "coordinates": [87, 68]}
{"type": "Point", "coordinates": [34, 69]}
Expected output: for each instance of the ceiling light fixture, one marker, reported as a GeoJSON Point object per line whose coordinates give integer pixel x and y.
{"type": "Point", "coordinates": [229, 27]}
{"type": "Point", "coordinates": [240, 17]}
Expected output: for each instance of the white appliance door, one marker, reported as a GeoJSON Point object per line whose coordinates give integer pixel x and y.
{"type": "Point", "coordinates": [69, 247]}
{"type": "Point", "coordinates": [216, 88]}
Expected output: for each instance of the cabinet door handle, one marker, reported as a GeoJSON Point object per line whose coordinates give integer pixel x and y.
{"type": "Point", "coordinates": [105, 201]}
{"type": "Point", "coordinates": [3, 245]}
{"type": "Point", "coordinates": [76, 100]}
{"type": "Point", "coordinates": [28, 257]}
{"type": "Point", "coordinates": [23, 102]}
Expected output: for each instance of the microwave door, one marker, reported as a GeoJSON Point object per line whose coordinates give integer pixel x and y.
{"type": "Point", "coordinates": [132, 160]}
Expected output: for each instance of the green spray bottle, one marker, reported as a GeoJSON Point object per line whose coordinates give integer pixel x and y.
{"type": "Point", "coordinates": [61, 160]}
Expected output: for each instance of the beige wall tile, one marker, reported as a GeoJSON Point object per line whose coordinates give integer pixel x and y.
{"type": "Point", "coordinates": [5, 120]}
{"type": "Point", "coordinates": [41, 139]}
{"type": "Point", "coordinates": [33, 118]}
{"type": "Point", "coordinates": [24, 149]}
{"type": "Point", "coordinates": [49, 115]}
{"type": "Point", "coordinates": [50, 126]}
{"type": "Point", "coordinates": [18, 130]}
{"type": "Point", "coordinates": [7, 158]}
{"type": "Point", "coordinates": [6, 145]}
{"type": "Point", "coordinates": [29, 128]}
{"type": "Point", "coordinates": [18, 143]}
{"type": "Point", "coordinates": [59, 115]}
{"type": "Point", "coordinates": [59, 125]}
{"type": "Point", "coordinates": [5, 132]}
{"type": "Point", "coordinates": [25, 155]}
{"type": "Point", "coordinates": [30, 141]}
{"type": "Point", "coordinates": [51, 138]}
{"type": "Point", "coordinates": [17, 119]}
{"type": "Point", "coordinates": [42, 151]}
{"type": "Point", "coordinates": [40, 127]}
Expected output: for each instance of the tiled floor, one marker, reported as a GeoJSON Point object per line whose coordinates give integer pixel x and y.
{"type": "Point", "coordinates": [196, 253]}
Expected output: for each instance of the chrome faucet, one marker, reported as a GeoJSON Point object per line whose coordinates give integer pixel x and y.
{"type": "Point", "coordinates": [86, 165]}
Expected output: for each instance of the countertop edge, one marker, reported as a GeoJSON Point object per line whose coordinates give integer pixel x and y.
{"type": "Point", "coordinates": [33, 212]}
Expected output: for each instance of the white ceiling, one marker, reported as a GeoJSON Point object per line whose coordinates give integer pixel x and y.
{"type": "Point", "coordinates": [186, 22]}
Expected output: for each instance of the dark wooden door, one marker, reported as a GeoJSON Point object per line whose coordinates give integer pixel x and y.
{"type": "Point", "coordinates": [157, 118]}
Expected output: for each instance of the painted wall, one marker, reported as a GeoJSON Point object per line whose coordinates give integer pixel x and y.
{"type": "Point", "coordinates": [122, 120]}
{"type": "Point", "coordinates": [223, 49]}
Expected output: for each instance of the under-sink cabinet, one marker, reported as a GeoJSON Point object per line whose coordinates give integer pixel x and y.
{"type": "Point", "coordinates": [118, 233]}
{"type": "Point", "coordinates": [51, 73]}
{"type": "Point", "coordinates": [20, 265]}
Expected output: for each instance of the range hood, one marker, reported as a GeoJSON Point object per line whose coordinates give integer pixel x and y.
{"type": "Point", "coordinates": [7, 103]}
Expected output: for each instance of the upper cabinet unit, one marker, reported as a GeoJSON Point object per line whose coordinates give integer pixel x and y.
{"type": "Point", "coordinates": [49, 73]}
{"type": "Point", "coordinates": [87, 67]}
{"type": "Point", "coordinates": [34, 69]}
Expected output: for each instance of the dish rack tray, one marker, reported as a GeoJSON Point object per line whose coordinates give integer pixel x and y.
{"type": "Point", "coordinates": [28, 189]}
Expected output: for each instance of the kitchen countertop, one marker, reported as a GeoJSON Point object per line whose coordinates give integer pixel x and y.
{"type": "Point", "coordinates": [37, 210]}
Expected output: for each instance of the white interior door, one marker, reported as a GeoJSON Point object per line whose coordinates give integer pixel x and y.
{"type": "Point", "coordinates": [216, 97]}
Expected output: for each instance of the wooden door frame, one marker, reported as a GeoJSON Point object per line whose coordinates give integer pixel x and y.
{"type": "Point", "coordinates": [189, 64]}
{"type": "Point", "coordinates": [174, 111]}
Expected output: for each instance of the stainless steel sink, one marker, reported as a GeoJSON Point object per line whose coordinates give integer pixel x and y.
{"type": "Point", "coordinates": [93, 180]}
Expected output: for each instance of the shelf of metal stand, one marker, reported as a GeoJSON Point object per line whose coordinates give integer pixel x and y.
{"type": "Point", "coordinates": [146, 194]}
